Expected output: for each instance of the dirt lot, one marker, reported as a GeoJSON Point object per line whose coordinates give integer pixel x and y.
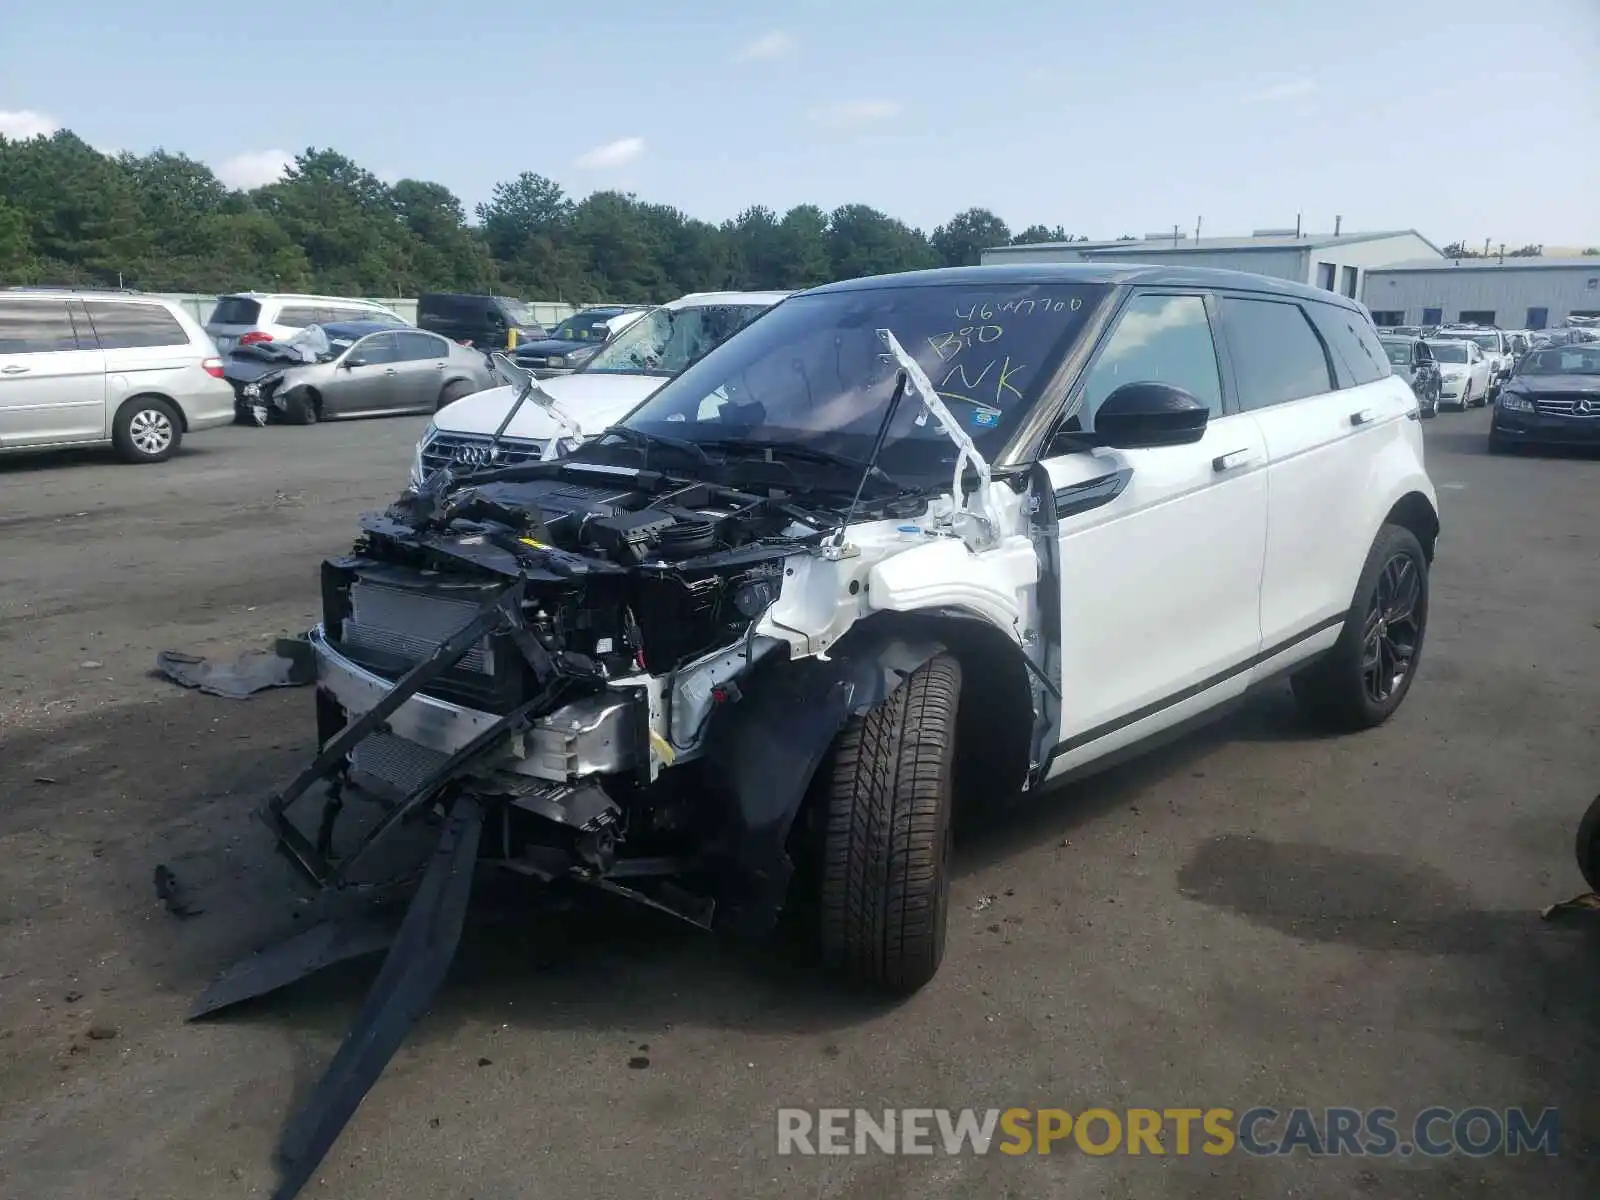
{"type": "Point", "coordinates": [1252, 916]}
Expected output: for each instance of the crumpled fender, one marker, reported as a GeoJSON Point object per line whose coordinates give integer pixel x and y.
{"type": "Point", "coordinates": [768, 747]}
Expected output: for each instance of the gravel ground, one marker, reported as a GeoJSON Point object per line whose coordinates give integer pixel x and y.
{"type": "Point", "coordinates": [1252, 916]}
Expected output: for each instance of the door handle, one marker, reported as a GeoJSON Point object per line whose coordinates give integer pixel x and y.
{"type": "Point", "coordinates": [439, 366]}
{"type": "Point", "coordinates": [390, 371]}
{"type": "Point", "coordinates": [1230, 461]}
{"type": "Point", "coordinates": [14, 370]}
{"type": "Point", "coordinates": [1365, 417]}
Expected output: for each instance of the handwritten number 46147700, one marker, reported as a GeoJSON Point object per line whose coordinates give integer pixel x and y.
{"type": "Point", "coordinates": [988, 310]}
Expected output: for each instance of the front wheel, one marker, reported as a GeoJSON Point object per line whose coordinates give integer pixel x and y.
{"type": "Point", "coordinates": [885, 887]}
{"type": "Point", "coordinates": [1364, 677]}
{"type": "Point", "coordinates": [300, 409]}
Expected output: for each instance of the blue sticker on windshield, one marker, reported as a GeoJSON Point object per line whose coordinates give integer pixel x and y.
{"type": "Point", "coordinates": [985, 418]}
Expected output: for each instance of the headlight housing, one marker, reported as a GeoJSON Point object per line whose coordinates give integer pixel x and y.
{"type": "Point", "coordinates": [558, 360]}
{"type": "Point", "coordinates": [1516, 402]}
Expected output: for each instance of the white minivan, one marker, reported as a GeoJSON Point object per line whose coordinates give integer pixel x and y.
{"type": "Point", "coordinates": [79, 368]}
{"type": "Point", "coordinates": [650, 351]}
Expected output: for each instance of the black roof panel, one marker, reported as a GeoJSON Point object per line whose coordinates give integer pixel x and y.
{"type": "Point", "coordinates": [1120, 273]}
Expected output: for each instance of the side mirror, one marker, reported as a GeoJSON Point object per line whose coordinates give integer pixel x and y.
{"type": "Point", "coordinates": [353, 360]}
{"type": "Point", "coordinates": [1139, 415]}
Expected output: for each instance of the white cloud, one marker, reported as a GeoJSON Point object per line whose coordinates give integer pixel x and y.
{"type": "Point", "coordinates": [612, 154]}
{"type": "Point", "coordinates": [1293, 89]}
{"type": "Point", "coordinates": [776, 44]}
{"type": "Point", "coordinates": [23, 124]}
{"type": "Point", "coordinates": [254, 169]}
{"type": "Point", "coordinates": [860, 112]}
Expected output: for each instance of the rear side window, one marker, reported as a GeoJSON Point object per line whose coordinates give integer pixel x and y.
{"type": "Point", "coordinates": [348, 313]}
{"type": "Point", "coordinates": [235, 310]}
{"type": "Point", "coordinates": [448, 308]}
{"type": "Point", "coordinates": [130, 326]}
{"type": "Point", "coordinates": [35, 327]}
{"type": "Point", "coordinates": [1277, 356]}
{"type": "Point", "coordinates": [1358, 355]}
{"type": "Point", "coordinates": [416, 346]}
{"type": "Point", "coordinates": [298, 316]}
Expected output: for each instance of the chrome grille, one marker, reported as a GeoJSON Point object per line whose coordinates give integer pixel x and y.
{"type": "Point", "coordinates": [1565, 404]}
{"type": "Point", "coordinates": [410, 625]}
{"type": "Point", "coordinates": [452, 449]}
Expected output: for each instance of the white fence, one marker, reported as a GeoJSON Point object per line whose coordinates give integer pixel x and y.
{"type": "Point", "coordinates": [546, 312]}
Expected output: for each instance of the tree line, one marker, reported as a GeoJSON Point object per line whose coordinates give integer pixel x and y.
{"type": "Point", "coordinates": [164, 222]}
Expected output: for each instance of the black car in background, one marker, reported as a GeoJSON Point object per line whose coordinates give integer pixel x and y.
{"type": "Point", "coordinates": [482, 322]}
{"type": "Point", "coordinates": [1551, 399]}
{"type": "Point", "coordinates": [570, 344]}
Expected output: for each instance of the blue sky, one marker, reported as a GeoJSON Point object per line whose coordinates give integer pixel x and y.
{"type": "Point", "coordinates": [1465, 119]}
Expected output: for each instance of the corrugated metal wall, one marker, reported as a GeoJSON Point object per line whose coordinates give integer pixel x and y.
{"type": "Point", "coordinates": [1507, 292]}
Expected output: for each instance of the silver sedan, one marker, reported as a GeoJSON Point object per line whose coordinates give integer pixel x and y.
{"type": "Point", "coordinates": [365, 369]}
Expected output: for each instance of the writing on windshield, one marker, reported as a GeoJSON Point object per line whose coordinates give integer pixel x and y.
{"type": "Point", "coordinates": [814, 371]}
{"type": "Point", "coordinates": [973, 367]}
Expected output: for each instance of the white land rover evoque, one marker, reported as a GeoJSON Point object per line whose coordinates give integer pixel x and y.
{"type": "Point", "coordinates": [954, 532]}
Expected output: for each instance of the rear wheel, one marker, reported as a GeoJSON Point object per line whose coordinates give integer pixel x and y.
{"type": "Point", "coordinates": [147, 430]}
{"type": "Point", "coordinates": [885, 887]}
{"type": "Point", "coordinates": [1367, 673]}
{"type": "Point", "coordinates": [454, 391]}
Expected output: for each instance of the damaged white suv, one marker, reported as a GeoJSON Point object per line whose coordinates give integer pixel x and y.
{"type": "Point", "coordinates": [904, 542]}
{"type": "Point", "coordinates": [901, 543]}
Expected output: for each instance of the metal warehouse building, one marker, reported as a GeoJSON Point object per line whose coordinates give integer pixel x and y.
{"type": "Point", "coordinates": [1518, 293]}
{"type": "Point", "coordinates": [1338, 262]}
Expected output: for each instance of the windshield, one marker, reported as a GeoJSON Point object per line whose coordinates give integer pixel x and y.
{"type": "Point", "coordinates": [664, 341]}
{"type": "Point", "coordinates": [519, 314]}
{"type": "Point", "coordinates": [583, 327]}
{"type": "Point", "coordinates": [1399, 353]}
{"type": "Point", "coordinates": [1567, 360]}
{"type": "Point", "coordinates": [1449, 352]}
{"type": "Point", "coordinates": [814, 374]}
{"type": "Point", "coordinates": [1488, 341]}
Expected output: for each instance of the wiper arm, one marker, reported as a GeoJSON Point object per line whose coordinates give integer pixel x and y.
{"type": "Point", "coordinates": [645, 440]}
{"type": "Point", "coordinates": [801, 451]}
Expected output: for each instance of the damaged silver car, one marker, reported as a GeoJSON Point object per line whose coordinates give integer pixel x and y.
{"type": "Point", "coordinates": [743, 651]}
{"type": "Point", "coordinates": [352, 368]}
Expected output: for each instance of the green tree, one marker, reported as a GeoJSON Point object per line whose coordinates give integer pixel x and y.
{"type": "Point", "coordinates": [800, 248]}
{"type": "Point", "coordinates": [84, 219]}
{"type": "Point", "coordinates": [863, 241]}
{"type": "Point", "coordinates": [528, 206]}
{"type": "Point", "coordinates": [446, 255]}
{"type": "Point", "coordinates": [17, 263]}
{"type": "Point", "coordinates": [1528, 251]}
{"type": "Point", "coordinates": [1034, 234]}
{"type": "Point", "coordinates": [1459, 250]}
{"type": "Point", "coordinates": [1591, 251]}
{"type": "Point", "coordinates": [344, 218]}
{"type": "Point", "coordinates": [961, 243]}
{"type": "Point", "coordinates": [618, 249]}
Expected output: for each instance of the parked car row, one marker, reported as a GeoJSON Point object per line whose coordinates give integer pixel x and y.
{"type": "Point", "coordinates": [85, 367]}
